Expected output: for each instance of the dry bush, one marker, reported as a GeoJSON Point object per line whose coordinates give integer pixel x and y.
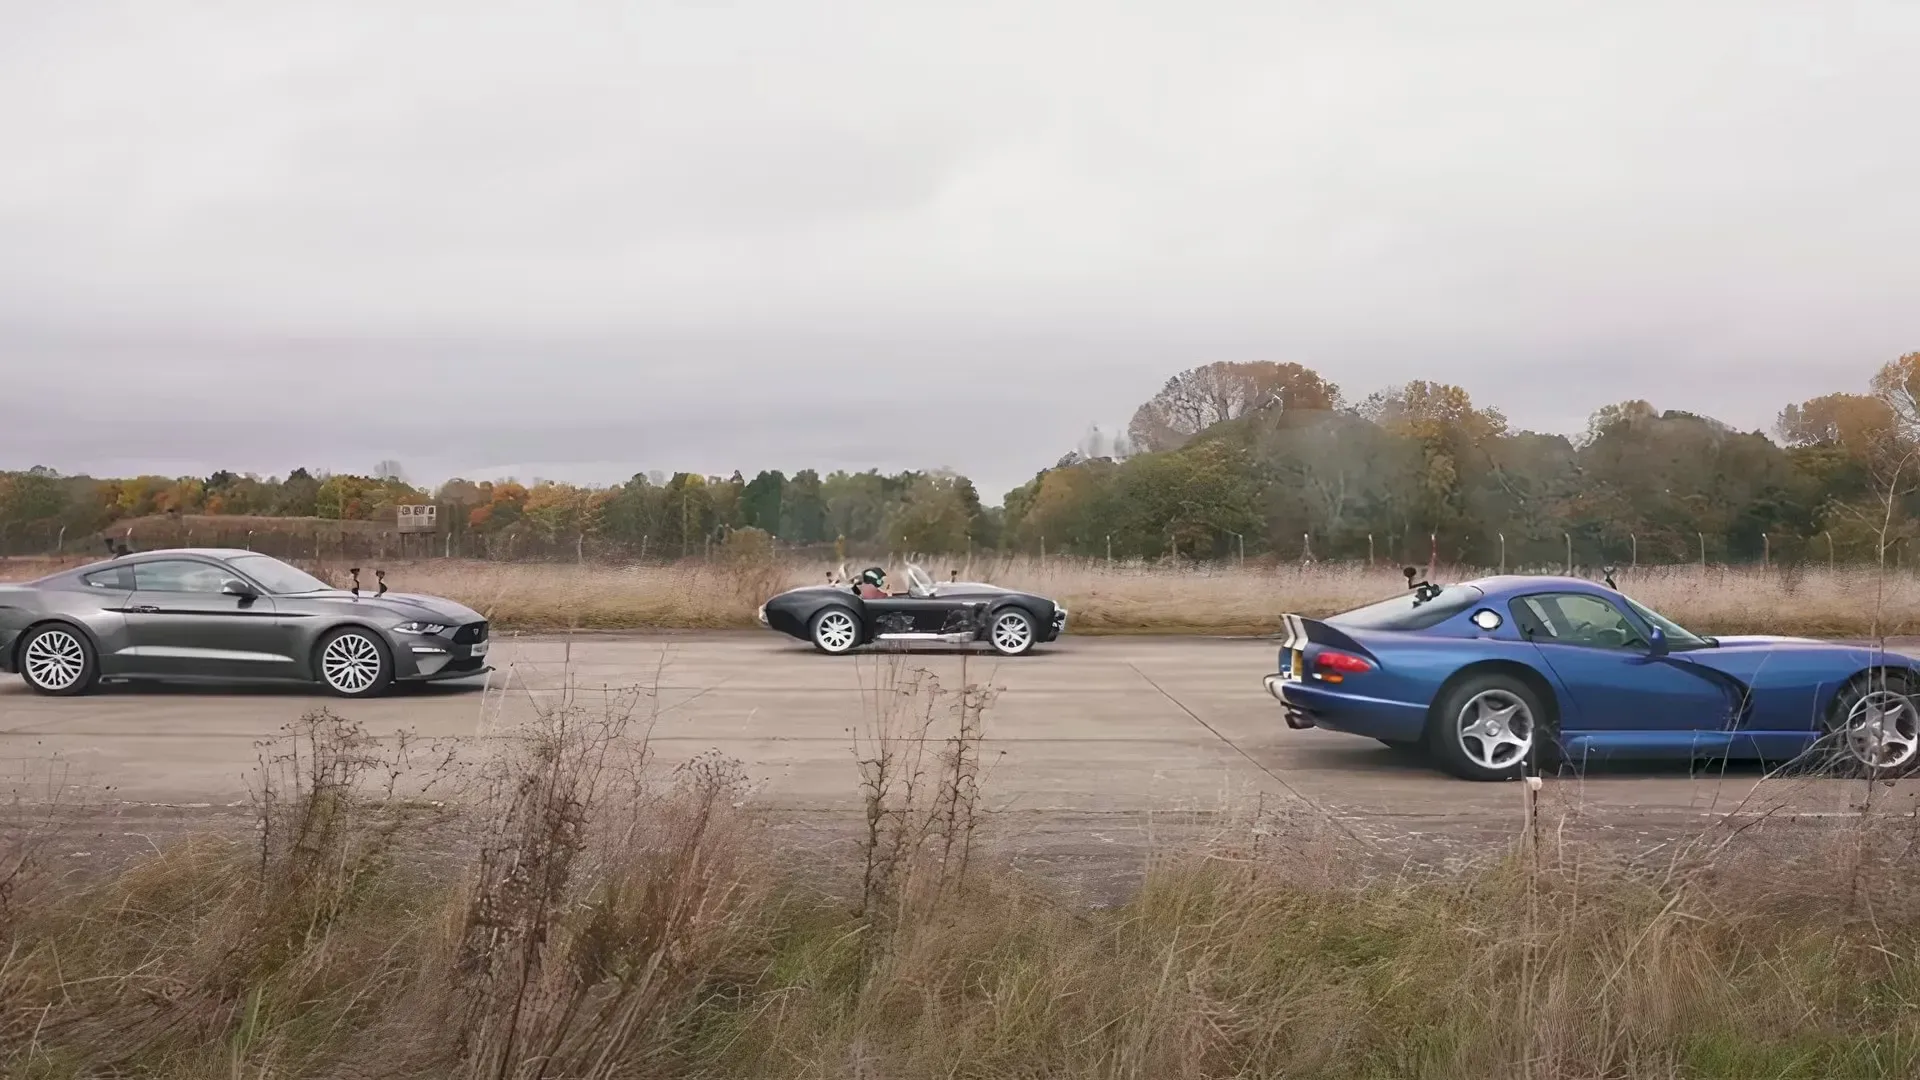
{"type": "Point", "coordinates": [1124, 597]}
{"type": "Point", "coordinates": [600, 918]}
{"type": "Point", "coordinates": [1152, 597]}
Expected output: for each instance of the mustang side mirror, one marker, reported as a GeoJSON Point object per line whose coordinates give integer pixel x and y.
{"type": "Point", "coordinates": [1656, 642]}
{"type": "Point", "coordinates": [236, 587]}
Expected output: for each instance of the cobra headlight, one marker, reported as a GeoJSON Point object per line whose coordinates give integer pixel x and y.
{"type": "Point", "coordinates": [420, 628]}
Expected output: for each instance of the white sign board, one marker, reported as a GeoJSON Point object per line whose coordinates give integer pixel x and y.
{"type": "Point", "coordinates": [419, 519]}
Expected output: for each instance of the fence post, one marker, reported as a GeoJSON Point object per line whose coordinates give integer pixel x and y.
{"type": "Point", "coordinates": [1829, 551]}
{"type": "Point", "coordinates": [1634, 539]}
{"type": "Point", "coordinates": [1703, 549]}
{"type": "Point", "coordinates": [1569, 539]}
{"type": "Point", "coordinates": [1766, 552]}
{"type": "Point", "coordinates": [1503, 552]}
{"type": "Point", "coordinates": [1109, 548]}
{"type": "Point", "coordinates": [1369, 549]}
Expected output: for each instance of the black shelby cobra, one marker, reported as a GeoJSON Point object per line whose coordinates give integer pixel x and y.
{"type": "Point", "coordinates": [837, 618]}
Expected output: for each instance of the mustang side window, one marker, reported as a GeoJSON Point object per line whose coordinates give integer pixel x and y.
{"type": "Point", "coordinates": [178, 576]}
{"type": "Point", "coordinates": [112, 578]}
{"type": "Point", "coordinates": [1575, 619]}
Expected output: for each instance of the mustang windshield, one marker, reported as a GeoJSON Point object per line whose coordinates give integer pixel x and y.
{"type": "Point", "coordinates": [275, 576]}
{"type": "Point", "coordinates": [1406, 612]}
{"type": "Point", "coordinates": [918, 583]}
{"type": "Point", "coordinates": [1678, 637]}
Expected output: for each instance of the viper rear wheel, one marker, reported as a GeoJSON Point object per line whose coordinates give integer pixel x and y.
{"type": "Point", "coordinates": [1486, 727]}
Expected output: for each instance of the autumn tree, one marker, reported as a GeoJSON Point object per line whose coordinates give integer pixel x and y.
{"type": "Point", "coordinates": [760, 502]}
{"type": "Point", "coordinates": [1198, 398]}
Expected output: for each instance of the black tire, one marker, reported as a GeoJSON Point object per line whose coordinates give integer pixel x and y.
{"type": "Point", "coordinates": [353, 662]}
{"type": "Point", "coordinates": [835, 630]}
{"type": "Point", "coordinates": [1840, 751]}
{"type": "Point", "coordinates": [58, 660]}
{"type": "Point", "coordinates": [1501, 751]}
{"type": "Point", "coordinates": [1012, 632]}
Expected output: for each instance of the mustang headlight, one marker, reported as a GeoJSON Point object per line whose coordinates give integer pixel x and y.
{"type": "Point", "coordinates": [420, 628]}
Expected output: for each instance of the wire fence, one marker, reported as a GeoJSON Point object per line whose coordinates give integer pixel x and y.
{"type": "Point", "coordinates": [331, 541]}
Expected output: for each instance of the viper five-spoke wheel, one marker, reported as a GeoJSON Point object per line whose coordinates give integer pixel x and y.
{"type": "Point", "coordinates": [835, 631]}
{"type": "Point", "coordinates": [1874, 727]}
{"type": "Point", "coordinates": [58, 660]}
{"type": "Point", "coordinates": [354, 663]}
{"type": "Point", "coordinates": [1012, 632]}
{"type": "Point", "coordinates": [1486, 728]}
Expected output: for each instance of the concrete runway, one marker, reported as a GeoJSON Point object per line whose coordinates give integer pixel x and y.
{"type": "Point", "coordinates": [1086, 726]}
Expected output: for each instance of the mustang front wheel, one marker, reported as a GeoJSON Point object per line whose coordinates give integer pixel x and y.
{"type": "Point", "coordinates": [58, 660]}
{"type": "Point", "coordinates": [835, 631]}
{"type": "Point", "coordinates": [1485, 728]}
{"type": "Point", "coordinates": [1012, 632]}
{"type": "Point", "coordinates": [1874, 725]}
{"type": "Point", "coordinates": [354, 663]}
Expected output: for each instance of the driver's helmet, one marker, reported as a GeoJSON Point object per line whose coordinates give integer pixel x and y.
{"type": "Point", "coordinates": [874, 576]}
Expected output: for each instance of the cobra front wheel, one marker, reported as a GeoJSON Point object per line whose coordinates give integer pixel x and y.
{"type": "Point", "coordinates": [835, 631]}
{"type": "Point", "coordinates": [1011, 633]}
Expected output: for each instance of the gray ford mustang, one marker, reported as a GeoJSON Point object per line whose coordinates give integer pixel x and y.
{"type": "Point", "coordinates": [228, 615]}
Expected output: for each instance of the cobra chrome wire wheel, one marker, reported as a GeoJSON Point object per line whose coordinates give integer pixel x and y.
{"type": "Point", "coordinates": [835, 631]}
{"type": "Point", "coordinates": [1012, 633]}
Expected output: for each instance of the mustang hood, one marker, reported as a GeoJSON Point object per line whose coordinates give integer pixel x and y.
{"type": "Point", "coordinates": [405, 605]}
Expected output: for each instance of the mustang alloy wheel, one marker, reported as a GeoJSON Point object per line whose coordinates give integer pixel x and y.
{"type": "Point", "coordinates": [835, 631]}
{"type": "Point", "coordinates": [354, 663]}
{"type": "Point", "coordinates": [1875, 725]}
{"type": "Point", "coordinates": [1485, 728]}
{"type": "Point", "coordinates": [1012, 632]}
{"type": "Point", "coordinates": [58, 660]}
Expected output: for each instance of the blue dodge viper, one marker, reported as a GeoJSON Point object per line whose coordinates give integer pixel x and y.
{"type": "Point", "coordinates": [1503, 675]}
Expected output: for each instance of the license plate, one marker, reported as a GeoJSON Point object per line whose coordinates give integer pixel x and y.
{"type": "Point", "coordinates": [480, 649]}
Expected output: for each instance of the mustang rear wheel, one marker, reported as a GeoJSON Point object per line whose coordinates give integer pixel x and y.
{"type": "Point", "coordinates": [835, 631]}
{"type": "Point", "coordinates": [1011, 633]}
{"type": "Point", "coordinates": [354, 663]}
{"type": "Point", "coordinates": [1874, 726]}
{"type": "Point", "coordinates": [1486, 727]}
{"type": "Point", "coordinates": [58, 660]}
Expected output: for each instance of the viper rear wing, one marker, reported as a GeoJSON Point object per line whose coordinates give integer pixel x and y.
{"type": "Point", "coordinates": [1298, 631]}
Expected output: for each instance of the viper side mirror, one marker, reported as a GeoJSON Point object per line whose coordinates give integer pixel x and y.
{"type": "Point", "coordinates": [1657, 642]}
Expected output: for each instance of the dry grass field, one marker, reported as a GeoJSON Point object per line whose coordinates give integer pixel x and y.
{"type": "Point", "coordinates": [1124, 598]}
{"type": "Point", "coordinates": [585, 915]}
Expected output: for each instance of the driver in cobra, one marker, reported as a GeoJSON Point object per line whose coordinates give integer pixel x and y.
{"type": "Point", "coordinates": [873, 583]}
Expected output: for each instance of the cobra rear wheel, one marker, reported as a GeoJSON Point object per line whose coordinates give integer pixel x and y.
{"type": "Point", "coordinates": [1873, 728]}
{"type": "Point", "coordinates": [1011, 633]}
{"type": "Point", "coordinates": [835, 631]}
{"type": "Point", "coordinates": [58, 660]}
{"type": "Point", "coordinates": [353, 662]}
{"type": "Point", "coordinates": [1485, 728]}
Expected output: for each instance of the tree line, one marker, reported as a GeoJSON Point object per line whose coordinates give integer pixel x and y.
{"type": "Point", "coordinates": [1269, 459]}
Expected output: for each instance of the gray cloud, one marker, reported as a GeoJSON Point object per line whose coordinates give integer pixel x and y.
{"type": "Point", "coordinates": [601, 238]}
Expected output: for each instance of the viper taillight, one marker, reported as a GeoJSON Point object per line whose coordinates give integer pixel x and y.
{"type": "Point", "coordinates": [1342, 662]}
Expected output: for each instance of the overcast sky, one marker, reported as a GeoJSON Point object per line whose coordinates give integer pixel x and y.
{"type": "Point", "coordinates": [577, 241]}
